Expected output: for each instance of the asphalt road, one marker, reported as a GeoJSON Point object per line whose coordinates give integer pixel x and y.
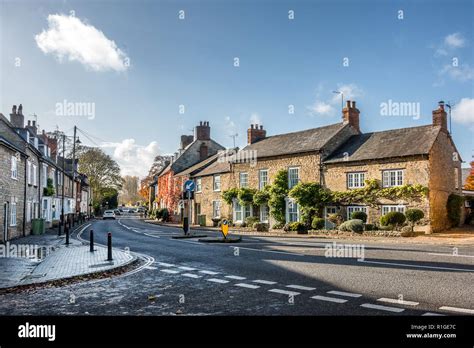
{"type": "Point", "coordinates": [261, 276]}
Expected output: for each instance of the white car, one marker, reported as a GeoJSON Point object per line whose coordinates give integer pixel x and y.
{"type": "Point", "coordinates": [108, 214]}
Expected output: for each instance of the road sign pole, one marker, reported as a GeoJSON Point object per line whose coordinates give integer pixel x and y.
{"type": "Point", "coordinates": [189, 211]}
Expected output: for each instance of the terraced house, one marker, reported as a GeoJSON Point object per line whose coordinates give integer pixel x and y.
{"type": "Point", "coordinates": [341, 158]}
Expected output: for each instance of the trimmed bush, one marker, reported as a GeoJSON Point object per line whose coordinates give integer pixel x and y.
{"type": "Point", "coordinates": [298, 227]}
{"type": "Point", "coordinates": [453, 206]}
{"type": "Point", "coordinates": [394, 218]}
{"type": "Point", "coordinates": [359, 215]}
{"type": "Point", "coordinates": [278, 226]}
{"type": "Point", "coordinates": [354, 225]}
{"type": "Point", "coordinates": [250, 220]}
{"type": "Point", "coordinates": [318, 223]}
{"type": "Point", "coordinates": [261, 226]}
{"type": "Point", "coordinates": [370, 227]}
{"type": "Point", "coordinates": [413, 216]}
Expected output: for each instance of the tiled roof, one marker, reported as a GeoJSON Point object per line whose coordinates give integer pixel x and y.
{"type": "Point", "coordinates": [215, 168]}
{"type": "Point", "coordinates": [386, 144]}
{"type": "Point", "coordinates": [296, 142]}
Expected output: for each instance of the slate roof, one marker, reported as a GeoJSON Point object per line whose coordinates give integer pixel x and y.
{"type": "Point", "coordinates": [387, 144]}
{"type": "Point", "coordinates": [200, 165]}
{"type": "Point", "coordinates": [215, 168]}
{"type": "Point", "coordinates": [308, 140]}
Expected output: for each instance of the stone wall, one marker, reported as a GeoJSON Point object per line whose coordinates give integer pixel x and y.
{"type": "Point", "coordinates": [442, 164]}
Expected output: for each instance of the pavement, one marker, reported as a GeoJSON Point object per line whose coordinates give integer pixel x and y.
{"type": "Point", "coordinates": [38, 259]}
{"type": "Point", "coordinates": [263, 276]}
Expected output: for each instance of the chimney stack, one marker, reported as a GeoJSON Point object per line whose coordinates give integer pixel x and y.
{"type": "Point", "coordinates": [16, 117]}
{"type": "Point", "coordinates": [203, 131]}
{"type": "Point", "coordinates": [254, 133]}
{"type": "Point", "coordinates": [440, 117]}
{"type": "Point", "coordinates": [350, 114]}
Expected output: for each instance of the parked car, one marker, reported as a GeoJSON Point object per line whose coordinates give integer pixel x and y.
{"type": "Point", "coordinates": [108, 214]}
{"type": "Point", "coordinates": [117, 212]}
{"type": "Point", "coordinates": [132, 210]}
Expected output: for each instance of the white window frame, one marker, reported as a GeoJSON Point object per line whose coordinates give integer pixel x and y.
{"type": "Point", "coordinates": [198, 185]}
{"type": "Point", "coordinates": [28, 172]}
{"type": "Point", "coordinates": [245, 211]}
{"type": "Point", "coordinates": [290, 213]}
{"type": "Point", "coordinates": [353, 208]}
{"type": "Point", "coordinates": [13, 213]}
{"type": "Point", "coordinates": [216, 184]}
{"type": "Point", "coordinates": [264, 213]}
{"type": "Point", "coordinates": [387, 208]}
{"type": "Point", "coordinates": [262, 183]}
{"type": "Point", "coordinates": [28, 211]}
{"type": "Point", "coordinates": [392, 177]}
{"type": "Point", "coordinates": [243, 179]}
{"type": "Point", "coordinates": [355, 180]}
{"type": "Point", "coordinates": [330, 209]}
{"type": "Point", "coordinates": [216, 204]}
{"type": "Point", "coordinates": [292, 181]}
{"type": "Point", "coordinates": [44, 175]}
{"type": "Point", "coordinates": [14, 168]}
{"type": "Point", "coordinates": [35, 174]}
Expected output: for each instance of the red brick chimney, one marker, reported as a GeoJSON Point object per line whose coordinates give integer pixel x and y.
{"type": "Point", "coordinates": [203, 131]}
{"type": "Point", "coordinates": [440, 117]}
{"type": "Point", "coordinates": [350, 114]}
{"type": "Point", "coordinates": [254, 133]}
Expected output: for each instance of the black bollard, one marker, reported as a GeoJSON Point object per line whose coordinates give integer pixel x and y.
{"type": "Point", "coordinates": [109, 246]}
{"type": "Point", "coordinates": [91, 238]}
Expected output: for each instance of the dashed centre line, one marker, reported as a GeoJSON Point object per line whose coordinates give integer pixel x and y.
{"type": "Point", "coordinates": [190, 275]}
{"type": "Point", "coordinates": [215, 280]}
{"type": "Point", "coordinates": [169, 271]}
{"type": "Point", "coordinates": [328, 299]}
{"type": "Point", "coordinates": [394, 300]}
{"type": "Point", "coordinates": [284, 292]}
{"type": "Point", "coordinates": [267, 282]}
{"type": "Point", "coordinates": [382, 308]}
{"type": "Point", "coordinates": [235, 277]}
{"type": "Point", "coordinates": [184, 268]}
{"type": "Point", "coordinates": [166, 264]}
{"type": "Point", "coordinates": [300, 287]}
{"type": "Point", "coordinates": [343, 293]}
{"type": "Point", "coordinates": [209, 272]}
{"type": "Point", "coordinates": [245, 285]}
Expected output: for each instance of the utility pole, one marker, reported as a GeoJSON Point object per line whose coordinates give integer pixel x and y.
{"type": "Point", "coordinates": [63, 182]}
{"type": "Point", "coordinates": [233, 136]}
{"type": "Point", "coordinates": [74, 169]}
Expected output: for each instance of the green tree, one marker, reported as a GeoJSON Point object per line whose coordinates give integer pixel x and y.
{"type": "Point", "coordinates": [278, 192]}
{"type": "Point", "coordinates": [311, 198]}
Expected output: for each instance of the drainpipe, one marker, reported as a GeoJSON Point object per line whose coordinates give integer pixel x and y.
{"type": "Point", "coordinates": [24, 199]}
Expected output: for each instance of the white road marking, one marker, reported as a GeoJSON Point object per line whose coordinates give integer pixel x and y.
{"type": "Point", "coordinates": [456, 309]}
{"type": "Point", "coordinates": [215, 280]}
{"type": "Point", "coordinates": [444, 254]}
{"type": "Point", "coordinates": [431, 314]}
{"type": "Point", "coordinates": [235, 277]}
{"type": "Point", "coordinates": [187, 268]}
{"type": "Point", "coordinates": [397, 301]}
{"type": "Point", "coordinates": [284, 292]}
{"type": "Point", "coordinates": [269, 251]}
{"type": "Point", "coordinates": [151, 235]}
{"type": "Point", "coordinates": [190, 275]}
{"type": "Point", "coordinates": [260, 281]}
{"type": "Point", "coordinates": [329, 299]}
{"type": "Point", "coordinates": [151, 267]}
{"type": "Point", "coordinates": [169, 271]}
{"type": "Point", "coordinates": [343, 293]}
{"type": "Point", "coordinates": [299, 287]}
{"type": "Point", "coordinates": [166, 264]}
{"type": "Point", "coordinates": [416, 266]}
{"type": "Point", "coordinates": [245, 285]}
{"type": "Point", "coordinates": [209, 272]}
{"type": "Point", "coordinates": [382, 308]}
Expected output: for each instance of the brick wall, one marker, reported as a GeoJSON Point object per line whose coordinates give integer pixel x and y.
{"type": "Point", "coordinates": [208, 195]}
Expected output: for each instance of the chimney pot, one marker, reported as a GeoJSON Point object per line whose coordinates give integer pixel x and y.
{"type": "Point", "coordinates": [261, 126]}
{"type": "Point", "coordinates": [348, 104]}
{"type": "Point", "coordinates": [354, 104]}
{"type": "Point", "coordinates": [29, 123]}
{"type": "Point", "coordinates": [251, 126]}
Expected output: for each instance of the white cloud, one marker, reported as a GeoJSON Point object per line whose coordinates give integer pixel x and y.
{"type": "Point", "coordinates": [463, 112]}
{"type": "Point", "coordinates": [133, 159]}
{"type": "Point", "coordinates": [321, 108]}
{"type": "Point", "coordinates": [455, 40]}
{"type": "Point", "coordinates": [460, 73]}
{"type": "Point", "coordinates": [69, 37]}
{"type": "Point", "coordinates": [329, 106]}
{"type": "Point", "coordinates": [255, 118]}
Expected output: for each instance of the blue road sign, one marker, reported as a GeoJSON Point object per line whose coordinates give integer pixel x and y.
{"type": "Point", "coordinates": [189, 185]}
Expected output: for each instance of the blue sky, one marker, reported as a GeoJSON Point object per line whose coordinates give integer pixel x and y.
{"type": "Point", "coordinates": [190, 62]}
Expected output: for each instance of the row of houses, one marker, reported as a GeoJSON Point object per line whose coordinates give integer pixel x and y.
{"type": "Point", "coordinates": [338, 156]}
{"type": "Point", "coordinates": [35, 182]}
